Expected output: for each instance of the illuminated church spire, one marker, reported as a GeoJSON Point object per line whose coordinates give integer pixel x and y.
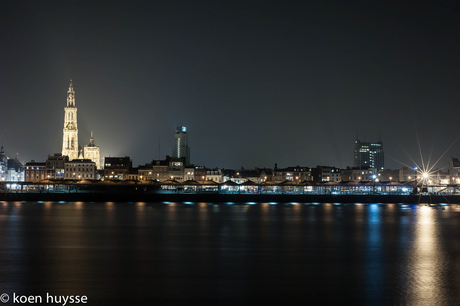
{"type": "Point", "coordinates": [70, 96]}
{"type": "Point", "coordinates": [70, 131]}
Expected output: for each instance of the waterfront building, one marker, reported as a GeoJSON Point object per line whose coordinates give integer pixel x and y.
{"type": "Point", "coordinates": [15, 172]}
{"type": "Point", "coordinates": [3, 165]}
{"type": "Point", "coordinates": [325, 174]}
{"type": "Point", "coordinates": [265, 174]}
{"type": "Point", "coordinates": [200, 173]}
{"type": "Point", "coordinates": [244, 175]}
{"type": "Point", "coordinates": [454, 170]}
{"type": "Point", "coordinates": [91, 151]}
{"type": "Point", "coordinates": [55, 166]}
{"type": "Point", "coordinates": [80, 169]}
{"type": "Point", "coordinates": [189, 173]}
{"type": "Point", "coordinates": [160, 169]}
{"type": "Point", "coordinates": [70, 131]}
{"type": "Point", "coordinates": [293, 174]}
{"type": "Point", "coordinates": [368, 155]}
{"type": "Point", "coordinates": [227, 174]}
{"type": "Point", "coordinates": [133, 174]}
{"type": "Point", "coordinates": [214, 175]}
{"type": "Point", "coordinates": [176, 167]}
{"type": "Point", "coordinates": [117, 168]}
{"type": "Point", "coordinates": [389, 175]}
{"type": "Point", "coordinates": [407, 174]}
{"type": "Point", "coordinates": [438, 177]}
{"type": "Point", "coordinates": [358, 175]}
{"type": "Point", "coordinates": [34, 171]}
{"type": "Point", "coordinates": [11, 170]}
{"type": "Point", "coordinates": [144, 172]}
{"type": "Point", "coordinates": [181, 148]}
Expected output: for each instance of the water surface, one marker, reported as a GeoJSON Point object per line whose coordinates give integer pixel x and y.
{"type": "Point", "coordinates": [229, 254]}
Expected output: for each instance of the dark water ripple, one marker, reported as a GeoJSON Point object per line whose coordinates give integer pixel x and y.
{"type": "Point", "coordinates": [202, 254]}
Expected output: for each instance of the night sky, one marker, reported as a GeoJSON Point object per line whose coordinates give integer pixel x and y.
{"type": "Point", "coordinates": [256, 83]}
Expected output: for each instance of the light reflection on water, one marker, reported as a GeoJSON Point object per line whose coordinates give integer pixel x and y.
{"type": "Point", "coordinates": [208, 253]}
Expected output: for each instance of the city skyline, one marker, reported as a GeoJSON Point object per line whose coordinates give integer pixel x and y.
{"type": "Point", "coordinates": [255, 84]}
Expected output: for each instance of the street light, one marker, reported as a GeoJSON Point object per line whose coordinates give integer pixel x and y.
{"type": "Point", "coordinates": [373, 183]}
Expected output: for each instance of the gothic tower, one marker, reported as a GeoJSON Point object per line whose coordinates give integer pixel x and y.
{"type": "Point", "coordinates": [70, 132]}
{"type": "Point", "coordinates": [92, 152]}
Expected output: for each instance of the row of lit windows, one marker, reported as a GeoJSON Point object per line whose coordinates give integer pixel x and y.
{"type": "Point", "coordinates": [82, 169]}
{"type": "Point", "coordinates": [88, 175]}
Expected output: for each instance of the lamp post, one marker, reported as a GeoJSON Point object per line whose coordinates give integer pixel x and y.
{"type": "Point", "coordinates": [373, 183]}
{"type": "Point", "coordinates": [415, 180]}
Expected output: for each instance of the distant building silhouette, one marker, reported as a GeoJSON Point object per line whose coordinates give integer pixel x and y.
{"type": "Point", "coordinates": [368, 155]}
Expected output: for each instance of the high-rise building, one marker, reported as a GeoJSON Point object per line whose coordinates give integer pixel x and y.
{"type": "Point", "coordinates": [368, 155]}
{"type": "Point", "coordinates": [93, 152]}
{"type": "Point", "coordinates": [70, 131]}
{"type": "Point", "coordinates": [181, 148]}
{"type": "Point", "coordinates": [3, 165]}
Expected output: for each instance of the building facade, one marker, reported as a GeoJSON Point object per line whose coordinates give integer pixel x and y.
{"type": "Point", "coordinates": [70, 131]}
{"type": "Point", "coordinates": [454, 170]}
{"type": "Point", "coordinates": [117, 168]}
{"type": "Point", "coordinates": [11, 170]}
{"type": "Point", "coordinates": [200, 173]}
{"type": "Point", "coordinates": [3, 165]}
{"type": "Point", "coordinates": [325, 174]}
{"type": "Point", "coordinates": [407, 174]}
{"type": "Point", "coordinates": [93, 152]}
{"type": "Point", "coordinates": [293, 174]}
{"type": "Point", "coordinates": [358, 175]}
{"type": "Point", "coordinates": [214, 175]}
{"type": "Point", "coordinates": [80, 169]}
{"type": "Point", "coordinates": [34, 171]}
{"type": "Point", "coordinates": [176, 166]}
{"type": "Point", "coordinates": [368, 155]}
{"type": "Point", "coordinates": [55, 166]}
{"type": "Point", "coordinates": [181, 148]}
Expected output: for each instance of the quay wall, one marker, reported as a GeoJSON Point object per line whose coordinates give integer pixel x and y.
{"type": "Point", "coordinates": [222, 198]}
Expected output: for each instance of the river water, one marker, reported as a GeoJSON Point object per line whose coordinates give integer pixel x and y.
{"type": "Point", "coordinates": [232, 254]}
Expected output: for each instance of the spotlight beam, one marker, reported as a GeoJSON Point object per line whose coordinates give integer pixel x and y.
{"type": "Point", "coordinates": [444, 153]}
{"type": "Point", "coordinates": [418, 141]}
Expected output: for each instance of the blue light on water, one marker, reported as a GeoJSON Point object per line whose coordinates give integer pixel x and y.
{"type": "Point", "coordinates": [166, 202]}
{"type": "Point", "coordinates": [189, 203]}
{"type": "Point", "coordinates": [251, 203]}
{"type": "Point", "coordinates": [229, 203]}
{"type": "Point", "coordinates": [272, 203]}
{"type": "Point", "coordinates": [374, 206]}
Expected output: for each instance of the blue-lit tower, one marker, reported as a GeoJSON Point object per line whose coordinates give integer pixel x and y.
{"type": "Point", "coordinates": [181, 148]}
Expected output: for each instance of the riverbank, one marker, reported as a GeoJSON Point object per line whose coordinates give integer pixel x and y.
{"type": "Point", "coordinates": [223, 198]}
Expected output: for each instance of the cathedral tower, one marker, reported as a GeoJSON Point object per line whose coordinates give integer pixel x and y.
{"type": "Point", "coordinates": [92, 152]}
{"type": "Point", "coordinates": [70, 132]}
